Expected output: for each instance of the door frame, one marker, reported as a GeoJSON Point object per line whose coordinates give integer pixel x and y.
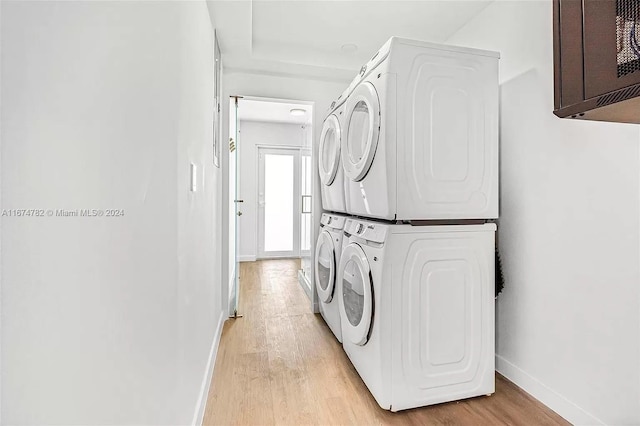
{"type": "Point", "coordinates": [249, 92]}
{"type": "Point", "coordinates": [297, 191]}
{"type": "Point", "coordinates": [234, 273]}
{"type": "Point", "coordinates": [307, 151]}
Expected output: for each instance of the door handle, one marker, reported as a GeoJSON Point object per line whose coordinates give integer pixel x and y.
{"type": "Point", "coordinates": [238, 201]}
{"type": "Point", "coordinates": [239, 213]}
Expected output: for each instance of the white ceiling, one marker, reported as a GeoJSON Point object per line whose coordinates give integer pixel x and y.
{"type": "Point", "coordinates": [304, 38]}
{"type": "Point", "coordinates": [279, 112]}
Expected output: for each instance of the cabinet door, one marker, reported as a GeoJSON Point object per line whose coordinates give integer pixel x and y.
{"type": "Point", "coordinates": [611, 45]}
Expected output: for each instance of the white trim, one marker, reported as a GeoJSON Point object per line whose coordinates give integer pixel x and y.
{"type": "Point", "coordinates": [198, 416]}
{"type": "Point", "coordinates": [225, 103]}
{"type": "Point", "coordinates": [247, 258]}
{"type": "Point", "coordinates": [278, 100]}
{"type": "Point", "coordinates": [345, 79]}
{"type": "Point", "coordinates": [278, 255]}
{"type": "Point", "coordinates": [304, 283]}
{"type": "Point", "coordinates": [266, 146]}
{"type": "Point", "coordinates": [549, 397]}
{"type": "Point", "coordinates": [231, 303]}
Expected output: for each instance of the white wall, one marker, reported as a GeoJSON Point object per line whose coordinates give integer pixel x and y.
{"type": "Point", "coordinates": [199, 302]}
{"type": "Point", "coordinates": [568, 321]}
{"type": "Point", "coordinates": [1, 207]}
{"type": "Point", "coordinates": [238, 82]}
{"type": "Point", "coordinates": [105, 104]}
{"type": "Point", "coordinates": [252, 134]}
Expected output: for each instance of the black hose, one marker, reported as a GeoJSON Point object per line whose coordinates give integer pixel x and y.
{"type": "Point", "coordinates": [499, 274]}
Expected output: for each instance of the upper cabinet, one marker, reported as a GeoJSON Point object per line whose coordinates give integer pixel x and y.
{"type": "Point", "coordinates": [597, 59]}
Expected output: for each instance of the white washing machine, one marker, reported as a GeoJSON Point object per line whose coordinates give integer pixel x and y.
{"type": "Point", "coordinates": [417, 310]}
{"type": "Point", "coordinates": [329, 159]}
{"type": "Point", "coordinates": [420, 139]}
{"type": "Point", "coordinates": [328, 251]}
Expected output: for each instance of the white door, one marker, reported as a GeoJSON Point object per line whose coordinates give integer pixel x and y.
{"type": "Point", "coordinates": [235, 207]}
{"type": "Point", "coordinates": [362, 130]}
{"type": "Point", "coordinates": [356, 300]}
{"type": "Point", "coordinates": [279, 206]}
{"type": "Point", "coordinates": [325, 267]}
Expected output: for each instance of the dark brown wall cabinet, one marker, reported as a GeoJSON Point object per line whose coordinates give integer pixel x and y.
{"type": "Point", "coordinates": [597, 59]}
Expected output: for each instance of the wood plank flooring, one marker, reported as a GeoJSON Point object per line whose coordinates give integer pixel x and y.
{"type": "Point", "coordinates": [280, 364]}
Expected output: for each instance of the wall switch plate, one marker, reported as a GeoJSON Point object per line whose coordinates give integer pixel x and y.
{"type": "Point", "coordinates": [194, 177]}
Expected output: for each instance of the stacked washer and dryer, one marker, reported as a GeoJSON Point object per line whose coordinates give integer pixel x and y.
{"type": "Point", "coordinates": [408, 160]}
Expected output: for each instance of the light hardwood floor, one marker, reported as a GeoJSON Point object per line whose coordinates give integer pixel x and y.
{"type": "Point", "coordinates": [280, 364]}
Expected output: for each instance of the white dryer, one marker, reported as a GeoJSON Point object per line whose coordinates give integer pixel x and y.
{"type": "Point", "coordinates": [417, 310]}
{"type": "Point", "coordinates": [329, 159]}
{"type": "Point", "coordinates": [328, 251]}
{"type": "Point", "coordinates": [420, 139]}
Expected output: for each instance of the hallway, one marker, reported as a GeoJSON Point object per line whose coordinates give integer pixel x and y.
{"type": "Point", "coordinates": [280, 364]}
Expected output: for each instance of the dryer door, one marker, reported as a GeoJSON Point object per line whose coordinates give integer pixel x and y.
{"type": "Point", "coordinates": [329, 150]}
{"type": "Point", "coordinates": [325, 267]}
{"type": "Point", "coordinates": [356, 301]}
{"type": "Point", "coordinates": [362, 129]}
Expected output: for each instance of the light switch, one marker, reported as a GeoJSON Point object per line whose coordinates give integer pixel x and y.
{"type": "Point", "coordinates": [194, 177]}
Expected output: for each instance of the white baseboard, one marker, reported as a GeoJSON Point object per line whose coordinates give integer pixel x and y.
{"type": "Point", "coordinates": [246, 258]}
{"type": "Point", "coordinates": [198, 416]}
{"type": "Point", "coordinates": [552, 399]}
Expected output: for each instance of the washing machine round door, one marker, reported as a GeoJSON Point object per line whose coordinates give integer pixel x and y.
{"type": "Point", "coordinates": [356, 301]}
{"type": "Point", "coordinates": [362, 130]}
{"type": "Point", "coordinates": [329, 150]}
{"type": "Point", "coordinates": [325, 267]}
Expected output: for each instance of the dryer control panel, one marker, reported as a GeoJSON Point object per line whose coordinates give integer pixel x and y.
{"type": "Point", "coordinates": [338, 101]}
{"type": "Point", "coordinates": [375, 60]}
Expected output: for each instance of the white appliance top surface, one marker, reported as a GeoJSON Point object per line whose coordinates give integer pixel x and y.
{"type": "Point", "coordinates": [386, 48]}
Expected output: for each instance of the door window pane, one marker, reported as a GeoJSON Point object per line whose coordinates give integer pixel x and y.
{"type": "Point", "coordinates": [353, 292]}
{"type": "Point", "coordinates": [278, 199]}
{"type": "Point", "coordinates": [358, 136]}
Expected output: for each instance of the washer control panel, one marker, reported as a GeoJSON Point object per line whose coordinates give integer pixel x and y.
{"type": "Point", "coordinates": [369, 231]}
{"type": "Point", "coordinates": [332, 221]}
